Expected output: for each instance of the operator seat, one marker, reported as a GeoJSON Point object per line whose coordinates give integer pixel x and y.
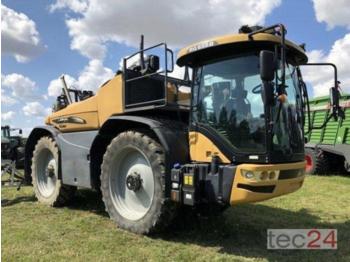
{"type": "Point", "coordinates": [218, 98]}
{"type": "Point", "coordinates": [240, 98]}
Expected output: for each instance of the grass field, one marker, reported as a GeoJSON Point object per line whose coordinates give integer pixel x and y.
{"type": "Point", "coordinates": [83, 231]}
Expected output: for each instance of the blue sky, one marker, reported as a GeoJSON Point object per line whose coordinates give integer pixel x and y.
{"type": "Point", "coordinates": [66, 29]}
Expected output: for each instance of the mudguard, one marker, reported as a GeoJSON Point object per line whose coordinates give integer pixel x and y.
{"type": "Point", "coordinates": [172, 134]}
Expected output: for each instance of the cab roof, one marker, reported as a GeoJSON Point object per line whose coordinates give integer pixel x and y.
{"type": "Point", "coordinates": [235, 44]}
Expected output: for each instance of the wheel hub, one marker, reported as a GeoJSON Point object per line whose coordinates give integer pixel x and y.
{"type": "Point", "coordinates": [133, 181]}
{"type": "Point", "coordinates": [46, 172]}
{"type": "Point", "coordinates": [50, 170]}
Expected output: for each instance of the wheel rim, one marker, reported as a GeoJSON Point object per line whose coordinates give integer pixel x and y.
{"type": "Point", "coordinates": [131, 183]}
{"type": "Point", "coordinates": [309, 163]}
{"type": "Point", "coordinates": [46, 172]}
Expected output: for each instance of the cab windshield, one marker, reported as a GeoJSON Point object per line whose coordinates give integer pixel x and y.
{"type": "Point", "coordinates": [228, 99]}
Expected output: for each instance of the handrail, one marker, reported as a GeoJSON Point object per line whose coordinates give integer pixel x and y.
{"type": "Point", "coordinates": [326, 64]}
{"type": "Point", "coordinates": [126, 80]}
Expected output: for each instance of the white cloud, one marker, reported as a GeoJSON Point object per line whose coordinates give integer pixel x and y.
{"type": "Point", "coordinates": [91, 78]}
{"type": "Point", "coordinates": [21, 86]}
{"type": "Point", "coordinates": [75, 5]}
{"type": "Point", "coordinates": [8, 116]}
{"type": "Point", "coordinates": [176, 22]}
{"type": "Point", "coordinates": [55, 86]}
{"type": "Point", "coordinates": [333, 13]}
{"type": "Point", "coordinates": [321, 78]}
{"type": "Point", "coordinates": [35, 109]}
{"type": "Point", "coordinates": [19, 36]}
{"type": "Point", "coordinates": [94, 75]}
{"type": "Point", "coordinates": [7, 100]}
{"type": "Point", "coordinates": [88, 46]}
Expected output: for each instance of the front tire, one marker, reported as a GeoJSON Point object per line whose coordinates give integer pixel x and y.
{"type": "Point", "coordinates": [133, 183]}
{"type": "Point", "coordinates": [48, 187]}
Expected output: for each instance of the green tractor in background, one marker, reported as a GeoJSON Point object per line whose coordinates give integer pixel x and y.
{"type": "Point", "coordinates": [328, 148]}
{"type": "Point", "coordinates": [12, 146]}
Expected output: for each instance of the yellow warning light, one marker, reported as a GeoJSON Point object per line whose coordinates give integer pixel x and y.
{"type": "Point", "coordinates": [188, 180]}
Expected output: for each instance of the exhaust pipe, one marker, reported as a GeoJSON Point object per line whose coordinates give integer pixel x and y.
{"type": "Point", "coordinates": [142, 59]}
{"type": "Point", "coordinates": [65, 89]}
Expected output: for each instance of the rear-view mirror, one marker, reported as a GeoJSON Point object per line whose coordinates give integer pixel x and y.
{"type": "Point", "coordinates": [267, 65]}
{"type": "Point", "coordinates": [153, 63]}
{"type": "Point", "coordinates": [335, 103]}
{"type": "Point", "coordinates": [334, 96]}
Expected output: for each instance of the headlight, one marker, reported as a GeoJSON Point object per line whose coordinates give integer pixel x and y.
{"type": "Point", "coordinates": [272, 175]}
{"type": "Point", "coordinates": [260, 175]}
{"type": "Point", "coordinates": [248, 175]}
{"type": "Point", "coordinates": [264, 175]}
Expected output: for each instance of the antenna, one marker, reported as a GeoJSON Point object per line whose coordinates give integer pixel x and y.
{"type": "Point", "coordinates": [141, 53]}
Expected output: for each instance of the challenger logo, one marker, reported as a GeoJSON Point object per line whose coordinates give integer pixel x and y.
{"type": "Point", "coordinates": [201, 45]}
{"type": "Point", "coordinates": [70, 120]}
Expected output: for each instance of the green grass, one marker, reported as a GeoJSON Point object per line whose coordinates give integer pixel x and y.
{"type": "Point", "coordinates": [83, 231]}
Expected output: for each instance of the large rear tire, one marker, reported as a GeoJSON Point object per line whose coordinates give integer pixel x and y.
{"type": "Point", "coordinates": [133, 183]}
{"type": "Point", "coordinates": [316, 162]}
{"type": "Point", "coordinates": [48, 187]}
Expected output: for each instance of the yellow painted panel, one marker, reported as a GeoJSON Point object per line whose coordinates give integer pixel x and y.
{"type": "Point", "coordinates": [202, 148]}
{"type": "Point", "coordinates": [110, 99]}
{"type": "Point", "coordinates": [76, 122]}
{"type": "Point", "coordinates": [282, 187]}
{"type": "Point", "coordinates": [236, 38]}
{"type": "Point", "coordinates": [93, 112]}
{"type": "Point", "coordinates": [76, 117]}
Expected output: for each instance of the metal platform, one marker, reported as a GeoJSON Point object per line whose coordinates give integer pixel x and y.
{"type": "Point", "coordinates": [15, 179]}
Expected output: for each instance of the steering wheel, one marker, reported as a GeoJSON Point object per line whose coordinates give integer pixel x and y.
{"type": "Point", "coordinates": [257, 89]}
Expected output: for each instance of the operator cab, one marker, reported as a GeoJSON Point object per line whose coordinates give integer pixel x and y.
{"type": "Point", "coordinates": [236, 107]}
